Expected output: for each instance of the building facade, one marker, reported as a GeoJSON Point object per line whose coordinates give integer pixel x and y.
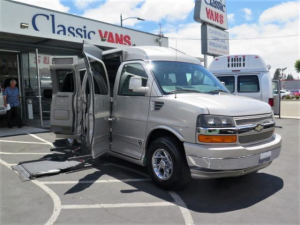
{"type": "Point", "coordinates": [30, 35]}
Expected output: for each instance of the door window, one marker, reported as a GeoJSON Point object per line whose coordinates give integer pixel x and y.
{"type": "Point", "coordinates": [131, 70]}
{"type": "Point", "coordinates": [248, 83]}
{"type": "Point", "coordinates": [65, 80]}
{"type": "Point", "coordinates": [229, 82]}
{"type": "Point", "coordinates": [100, 80]}
{"type": "Point", "coordinates": [97, 83]}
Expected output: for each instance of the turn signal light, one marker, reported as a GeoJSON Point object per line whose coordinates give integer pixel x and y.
{"type": "Point", "coordinates": [217, 139]}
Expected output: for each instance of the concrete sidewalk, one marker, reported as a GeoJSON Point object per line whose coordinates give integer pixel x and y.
{"type": "Point", "coordinates": [5, 131]}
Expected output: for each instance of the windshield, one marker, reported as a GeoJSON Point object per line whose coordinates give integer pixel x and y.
{"type": "Point", "coordinates": [183, 77]}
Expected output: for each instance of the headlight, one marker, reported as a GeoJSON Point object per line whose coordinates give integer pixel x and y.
{"type": "Point", "coordinates": [210, 121]}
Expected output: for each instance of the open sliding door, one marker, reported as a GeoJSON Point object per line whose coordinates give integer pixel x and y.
{"type": "Point", "coordinates": [96, 93]}
{"type": "Point", "coordinates": [65, 95]}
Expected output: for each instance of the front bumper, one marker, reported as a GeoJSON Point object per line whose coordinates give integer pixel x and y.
{"type": "Point", "coordinates": [211, 161]}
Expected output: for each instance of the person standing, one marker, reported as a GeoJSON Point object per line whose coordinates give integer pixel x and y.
{"type": "Point", "coordinates": [12, 97]}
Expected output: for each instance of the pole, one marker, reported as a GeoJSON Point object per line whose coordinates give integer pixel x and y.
{"type": "Point", "coordinates": [39, 87]}
{"type": "Point", "coordinates": [121, 19]}
{"type": "Point", "coordinates": [205, 60]}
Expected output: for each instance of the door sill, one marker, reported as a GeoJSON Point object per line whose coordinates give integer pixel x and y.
{"type": "Point", "coordinates": [138, 161]}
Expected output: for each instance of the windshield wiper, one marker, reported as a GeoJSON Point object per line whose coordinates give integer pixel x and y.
{"type": "Point", "coordinates": [217, 92]}
{"type": "Point", "coordinates": [185, 90]}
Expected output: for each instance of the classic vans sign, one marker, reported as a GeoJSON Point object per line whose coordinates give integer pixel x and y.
{"type": "Point", "coordinates": [49, 24]}
{"type": "Point", "coordinates": [82, 32]}
{"type": "Point", "coordinates": [211, 12]}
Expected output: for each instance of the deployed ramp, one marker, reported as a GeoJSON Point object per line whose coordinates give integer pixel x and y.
{"type": "Point", "coordinates": [32, 169]}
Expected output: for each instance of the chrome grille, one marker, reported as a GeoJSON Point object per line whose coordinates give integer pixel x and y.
{"type": "Point", "coordinates": [254, 120]}
{"type": "Point", "coordinates": [255, 137]}
{"type": "Point", "coordinates": [247, 125]}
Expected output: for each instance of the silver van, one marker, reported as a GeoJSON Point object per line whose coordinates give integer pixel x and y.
{"type": "Point", "coordinates": [162, 109]}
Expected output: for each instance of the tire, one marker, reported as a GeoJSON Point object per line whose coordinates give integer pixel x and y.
{"type": "Point", "coordinates": [166, 175]}
{"type": "Point", "coordinates": [283, 97]}
{"type": "Point", "coordinates": [71, 142]}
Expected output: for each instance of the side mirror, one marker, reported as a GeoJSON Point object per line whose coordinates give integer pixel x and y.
{"type": "Point", "coordinates": [135, 85]}
{"type": "Point", "coordinates": [223, 83]}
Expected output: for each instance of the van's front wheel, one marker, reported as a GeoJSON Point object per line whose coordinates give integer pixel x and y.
{"type": "Point", "coordinates": [167, 164]}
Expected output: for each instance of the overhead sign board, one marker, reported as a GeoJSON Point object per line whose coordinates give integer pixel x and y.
{"type": "Point", "coordinates": [39, 22]}
{"type": "Point", "coordinates": [213, 12]}
{"type": "Point", "coordinates": [215, 42]}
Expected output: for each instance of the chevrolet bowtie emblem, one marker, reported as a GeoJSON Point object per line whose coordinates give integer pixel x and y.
{"type": "Point", "coordinates": [259, 128]}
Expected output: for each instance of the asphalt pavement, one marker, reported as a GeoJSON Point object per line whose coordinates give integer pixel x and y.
{"type": "Point", "coordinates": [290, 109]}
{"type": "Point", "coordinates": [113, 191]}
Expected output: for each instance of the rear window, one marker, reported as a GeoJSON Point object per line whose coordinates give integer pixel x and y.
{"type": "Point", "coordinates": [248, 83]}
{"type": "Point", "coordinates": [229, 82]}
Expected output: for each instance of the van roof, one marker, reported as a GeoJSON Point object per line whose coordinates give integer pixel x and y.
{"type": "Point", "coordinates": [152, 53]}
{"type": "Point", "coordinates": [238, 63]}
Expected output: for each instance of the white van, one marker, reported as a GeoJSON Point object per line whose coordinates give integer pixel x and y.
{"type": "Point", "coordinates": [244, 75]}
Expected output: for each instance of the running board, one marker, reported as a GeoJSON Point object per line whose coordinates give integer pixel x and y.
{"type": "Point", "coordinates": [30, 170]}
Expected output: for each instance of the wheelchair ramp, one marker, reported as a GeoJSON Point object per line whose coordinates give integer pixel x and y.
{"type": "Point", "coordinates": [33, 169]}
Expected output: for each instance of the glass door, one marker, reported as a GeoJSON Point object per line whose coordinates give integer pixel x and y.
{"type": "Point", "coordinates": [31, 96]}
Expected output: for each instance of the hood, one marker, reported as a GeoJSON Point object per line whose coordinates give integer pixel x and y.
{"type": "Point", "coordinates": [226, 104]}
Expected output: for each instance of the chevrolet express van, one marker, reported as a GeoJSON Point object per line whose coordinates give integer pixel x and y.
{"type": "Point", "coordinates": [161, 109]}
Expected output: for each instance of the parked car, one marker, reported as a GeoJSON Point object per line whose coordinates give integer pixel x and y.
{"type": "Point", "coordinates": [284, 93]}
{"type": "Point", "coordinates": [295, 92]}
{"type": "Point", "coordinates": [167, 113]}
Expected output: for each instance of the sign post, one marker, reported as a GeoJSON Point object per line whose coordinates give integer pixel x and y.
{"type": "Point", "coordinates": [213, 16]}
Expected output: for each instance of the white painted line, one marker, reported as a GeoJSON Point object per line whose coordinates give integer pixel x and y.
{"type": "Point", "coordinates": [120, 205]}
{"type": "Point", "coordinates": [5, 164]}
{"type": "Point", "coordinates": [41, 139]}
{"type": "Point", "coordinates": [22, 153]}
{"type": "Point", "coordinates": [23, 142]}
{"type": "Point", "coordinates": [56, 202]}
{"type": "Point", "coordinates": [53, 195]}
{"type": "Point", "coordinates": [188, 219]}
{"type": "Point", "coordinates": [95, 181]}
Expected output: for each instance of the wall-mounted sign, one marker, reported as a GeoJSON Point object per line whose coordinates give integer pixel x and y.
{"type": "Point", "coordinates": [215, 42]}
{"type": "Point", "coordinates": [213, 12]}
{"type": "Point", "coordinates": [49, 24]}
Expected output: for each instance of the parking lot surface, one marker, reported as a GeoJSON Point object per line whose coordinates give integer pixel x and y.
{"type": "Point", "coordinates": [113, 191]}
{"type": "Point", "coordinates": [290, 108]}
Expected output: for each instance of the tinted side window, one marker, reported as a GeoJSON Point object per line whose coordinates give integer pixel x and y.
{"type": "Point", "coordinates": [248, 83]}
{"type": "Point", "coordinates": [97, 86]}
{"type": "Point", "coordinates": [130, 70]}
{"type": "Point", "coordinates": [229, 82]}
{"type": "Point", "coordinates": [99, 78]}
{"type": "Point", "coordinates": [97, 83]}
{"type": "Point", "coordinates": [65, 80]}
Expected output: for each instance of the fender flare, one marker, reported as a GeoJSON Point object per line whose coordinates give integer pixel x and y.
{"type": "Point", "coordinates": [170, 129]}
